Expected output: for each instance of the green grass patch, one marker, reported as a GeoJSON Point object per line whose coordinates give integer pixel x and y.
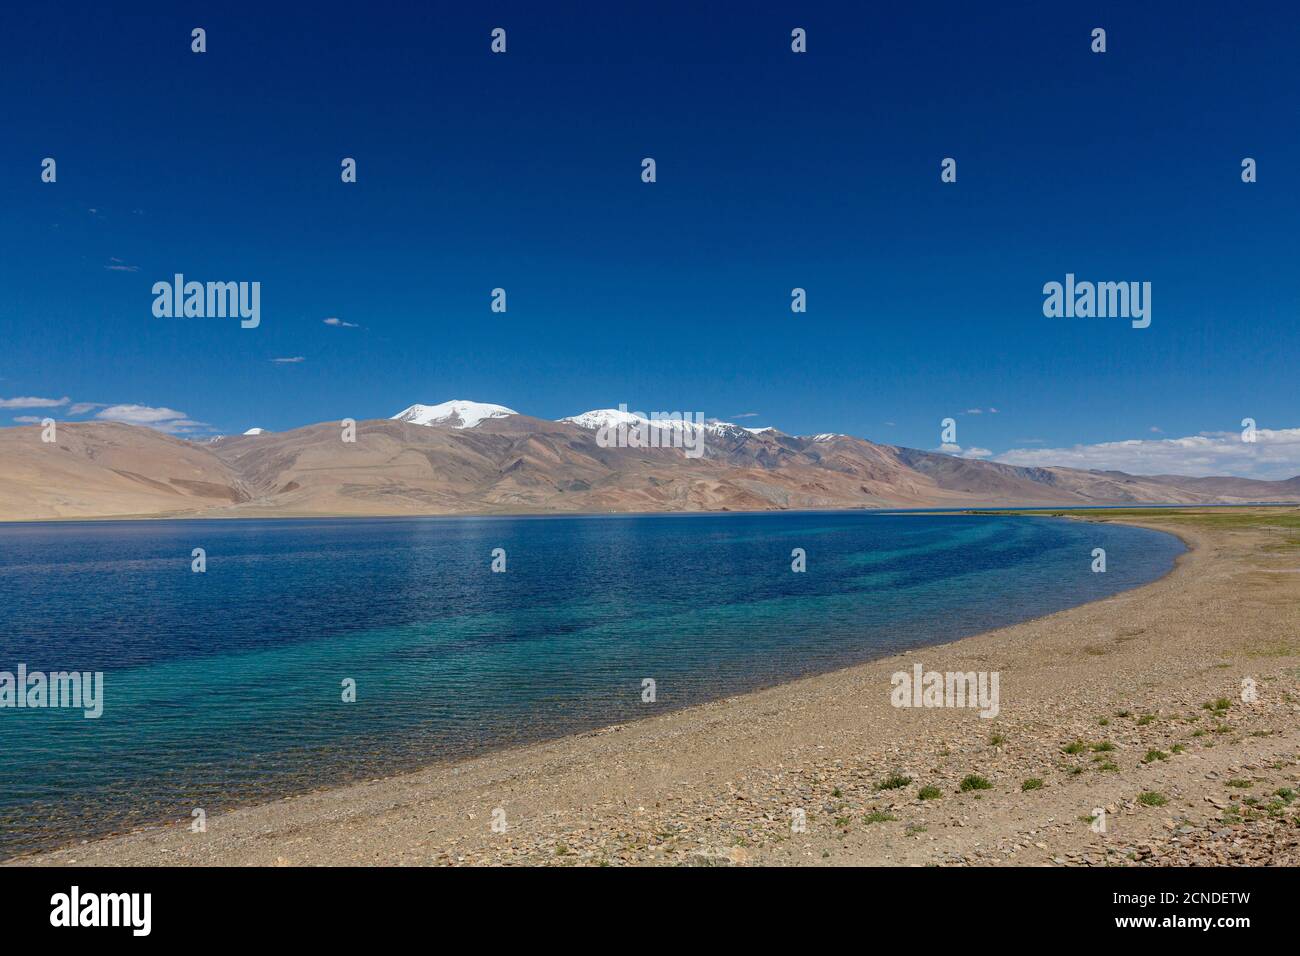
{"type": "Point", "coordinates": [894, 781]}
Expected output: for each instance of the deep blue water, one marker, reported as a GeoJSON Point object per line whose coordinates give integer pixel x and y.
{"type": "Point", "coordinates": [225, 687]}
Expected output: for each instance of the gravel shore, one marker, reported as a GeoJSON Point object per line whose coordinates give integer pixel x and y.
{"type": "Point", "coordinates": [1131, 706]}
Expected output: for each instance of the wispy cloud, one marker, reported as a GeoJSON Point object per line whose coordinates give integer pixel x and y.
{"type": "Point", "coordinates": [1273, 456]}
{"type": "Point", "coordinates": [80, 408]}
{"type": "Point", "coordinates": [746, 415]}
{"type": "Point", "coordinates": [119, 265]}
{"type": "Point", "coordinates": [30, 402]}
{"type": "Point", "coordinates": [289, 361]}
{"type": "Point", "coordinates": [980, 411]}
{"type": "Point", "coordinates": [339, 323]}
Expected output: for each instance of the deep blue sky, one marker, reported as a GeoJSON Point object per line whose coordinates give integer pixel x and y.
{"type": "Point", "coordinates": [775, 170]}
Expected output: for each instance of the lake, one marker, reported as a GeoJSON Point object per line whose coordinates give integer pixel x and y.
{"type": "Point", "coordinates": [226, 687]}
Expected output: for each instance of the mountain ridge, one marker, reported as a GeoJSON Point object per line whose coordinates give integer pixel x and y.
{"type": "Point", "coordinates": [513, 463]}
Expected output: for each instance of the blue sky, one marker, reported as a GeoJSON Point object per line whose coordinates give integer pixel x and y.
{"type": "Point", "coordinates": [775, 170]}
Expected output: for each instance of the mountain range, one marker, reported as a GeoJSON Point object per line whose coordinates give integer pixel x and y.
{"type": "Point", "coordinates": [464, 457]}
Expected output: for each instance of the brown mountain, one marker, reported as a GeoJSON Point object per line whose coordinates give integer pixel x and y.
{"type": "Point", "coordinates": [105, 469]}
{"type": "Point", "coordinates": [522, 464]}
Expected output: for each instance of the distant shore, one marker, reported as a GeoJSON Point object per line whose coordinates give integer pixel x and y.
{"type": "Point", "coordinates": [274, 515]}
{"type": "Point", "coordinates": [1130, 705]}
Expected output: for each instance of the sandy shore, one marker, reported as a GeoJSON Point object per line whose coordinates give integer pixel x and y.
{"type": "Point", "coordinates": [1102, 704]}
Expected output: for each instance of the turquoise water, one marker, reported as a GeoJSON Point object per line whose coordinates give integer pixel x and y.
{"type": "Point", "coordinates": [225, 687]}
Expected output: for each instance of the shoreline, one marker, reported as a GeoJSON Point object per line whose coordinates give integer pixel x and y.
{"type": "Point", "coordinates": [648, 756]}
{"type": "Point", "coordinates": [1041, 510]}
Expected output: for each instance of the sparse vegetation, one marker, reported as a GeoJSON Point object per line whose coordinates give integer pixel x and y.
{"type": "Point", "coordinates": [1033, 783]}
{"type": "Point", "coordinates": [1150, 798]}
{"type": "Point", "coordinates": [929, 792]}
{"type": "Point", "coordinates": [894, 781]}
{"type": "Point", "coordinates": [973, 781]}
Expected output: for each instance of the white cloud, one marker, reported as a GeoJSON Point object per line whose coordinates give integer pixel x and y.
{"type": "Point", "coordinates": [138, 414]}
{"type": "Point", "coordinates": [1273, 456]}
{"type": "Point", "coordinates": [958, 451]}
{"type": "Point", "coordinates": [163, 419]}
{"type": "Point", "coordinates": [339, 323]}
{"type": "Point", "coordinates": [80, 408]}
{"type": "Point", "coordinates": [29, 402]}
{"type": "Point", "coordinates": [288, 361]}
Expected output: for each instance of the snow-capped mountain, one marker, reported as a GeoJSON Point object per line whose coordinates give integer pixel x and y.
{"type": "Point", "coordinates": [455, 414]}
{"type": "Point", "coordinates": [255, 431]}
{"type": "Point", "coordinates": [599, 418]}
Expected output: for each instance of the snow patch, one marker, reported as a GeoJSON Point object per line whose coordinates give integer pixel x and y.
{"type": "Point", "coordinates": [457, 413]}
